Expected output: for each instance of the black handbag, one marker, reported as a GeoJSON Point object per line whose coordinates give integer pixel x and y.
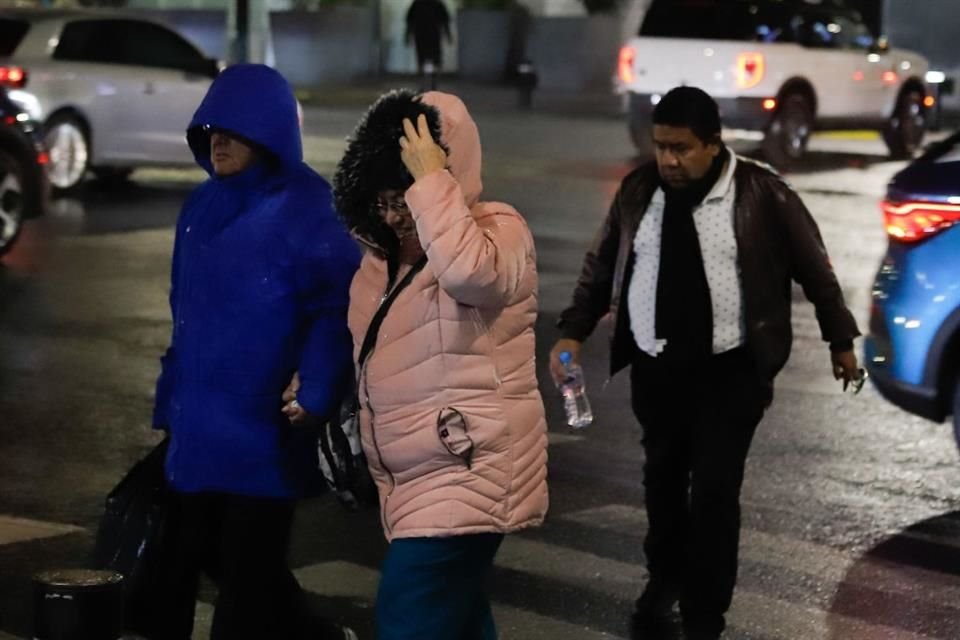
{"type": "Point", "coordinates": [130, 535]}
{"type": "Point", "coordinates": [342, 461]}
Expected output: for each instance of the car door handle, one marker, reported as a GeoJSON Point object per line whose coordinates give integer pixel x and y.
{"type": "Point", "coordinates": [149, 89]}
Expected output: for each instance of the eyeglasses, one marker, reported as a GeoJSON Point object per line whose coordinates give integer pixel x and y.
{"type": "Point", "coordinates": [397, 205]}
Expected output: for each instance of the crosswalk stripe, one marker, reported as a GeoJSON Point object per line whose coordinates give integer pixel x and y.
{"type": "Point", "coordinates": [828, 564]}
{"type": "Point", "coordinates": [340, 578]}
{"type": "Point", "coordinates": [359, 583]}
{"type": "Point", "coordinates": [555, 438]}
{"type": "Point", "coordinates": [786, 621]}
{"type": "Point", "coordinates": [752, 612]}
{"type": "Point", "coordinates": [202, 619]}
{"type": "Point", "coordinates": [14, 529]}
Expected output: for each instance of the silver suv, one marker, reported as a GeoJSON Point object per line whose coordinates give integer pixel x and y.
{"type": "Point", "coordinates": [112, 92]}
{"type": "Point", "coordinates": [783, 67]}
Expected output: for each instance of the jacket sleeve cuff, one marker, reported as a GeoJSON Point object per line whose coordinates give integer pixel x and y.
{"type": "Point", "coordinates": [573, 330]}
{"type": "Point", "coordinates": [315, 400]}
{"type": "Point", "coordinates": [841, 346]}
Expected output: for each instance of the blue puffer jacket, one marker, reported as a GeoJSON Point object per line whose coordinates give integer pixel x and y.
{"type": "Point", "coordinates": [260, 287]}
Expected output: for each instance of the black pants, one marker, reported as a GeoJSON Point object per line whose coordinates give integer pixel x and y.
{"type": "Point", "coordinates": [429, 49]}
{"type": "Point", "coordinates": [698, 422]}
{"type": "Point", "coordinates": [241, 543]}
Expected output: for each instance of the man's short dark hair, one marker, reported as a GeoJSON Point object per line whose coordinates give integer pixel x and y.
{"type": "Point", "coordinates": [692, 108]}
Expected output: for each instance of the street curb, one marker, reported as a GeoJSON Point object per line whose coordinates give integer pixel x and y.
{"type": "Point", "coordinates": [479, 97]}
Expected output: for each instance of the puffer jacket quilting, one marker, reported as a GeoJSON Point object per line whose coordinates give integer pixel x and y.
{"type": "Point", "coordinates": [455, 358]}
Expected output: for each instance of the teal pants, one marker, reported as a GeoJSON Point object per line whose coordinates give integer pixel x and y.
{"type": "Point", "coordinates": [433, 589]}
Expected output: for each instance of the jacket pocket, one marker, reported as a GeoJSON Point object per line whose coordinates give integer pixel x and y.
{"type": "Point", "coordinates": [452, 431]}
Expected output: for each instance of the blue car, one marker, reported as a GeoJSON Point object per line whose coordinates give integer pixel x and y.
{"type": "Point", "coordinates": [913, 350]}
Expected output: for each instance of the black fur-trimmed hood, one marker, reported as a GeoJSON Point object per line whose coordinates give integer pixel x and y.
{"type": "Point", "coordinates": [372, 164]}
{"type": "Point", "coordinates": [372, 160]}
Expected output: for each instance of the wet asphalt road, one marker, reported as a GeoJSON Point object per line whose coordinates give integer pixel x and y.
{"type": "Point", "coordinates": [851, 507]}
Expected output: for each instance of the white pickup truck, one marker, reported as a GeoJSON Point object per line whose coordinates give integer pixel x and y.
{"type": "Point", "coordinates": [783, 67]}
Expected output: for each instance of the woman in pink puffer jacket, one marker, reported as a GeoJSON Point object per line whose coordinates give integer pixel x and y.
{"type": "Point", "coordinates": [452, 422]}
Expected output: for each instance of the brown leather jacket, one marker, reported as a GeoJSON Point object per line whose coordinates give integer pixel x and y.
{"type": "Point", "coordinates": [777, 240]}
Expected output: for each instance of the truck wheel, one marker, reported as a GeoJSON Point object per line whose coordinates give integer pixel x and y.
{"type": "Point", "coordinates": [787, 135]}
{"type": "Point", "coordinates": [904, 131]}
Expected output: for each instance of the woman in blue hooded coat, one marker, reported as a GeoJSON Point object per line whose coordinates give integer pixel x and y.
{"type": "Point", "coordinates": [260, 288]}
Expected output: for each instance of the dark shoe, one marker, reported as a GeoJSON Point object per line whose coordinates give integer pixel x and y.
{"type": "Point", "coordinates": [653, 616]}
{"type": "Point", "coordinates": [699, 633]}
{"type": "Point", "coordinates": [666, 627]}
{"type": "Point", "coordinates": [657, 600]}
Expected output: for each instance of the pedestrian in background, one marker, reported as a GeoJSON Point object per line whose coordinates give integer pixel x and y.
{"type": "Point", "coordinates": [259, 289]}
{"type": "Point", "coordinates": [428, 22]}
{"type": "Point", "coordinates": [451, 420]}
{"type": "Point", "coordinates": [694, 263]}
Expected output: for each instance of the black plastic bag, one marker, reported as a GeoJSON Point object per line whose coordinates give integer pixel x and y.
{"type": "Point", "coordinates": [131, 532]}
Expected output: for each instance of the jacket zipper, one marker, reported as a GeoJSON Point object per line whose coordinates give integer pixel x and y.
{"type": "Point", "coordinates": [373, 429]}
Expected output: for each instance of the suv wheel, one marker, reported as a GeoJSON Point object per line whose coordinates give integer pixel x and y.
{"type": "Point", "coordinates": [11, 200]}
{"type": "Point", "coordinates": [786, 139]}
{"type": "Point", "coordinates": [904, 131]}
{"type": "Point", "coordinates": [69, 148]}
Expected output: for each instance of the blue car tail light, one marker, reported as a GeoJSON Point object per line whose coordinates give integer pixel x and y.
{"type": "Point", "coordinates": [917, 220]}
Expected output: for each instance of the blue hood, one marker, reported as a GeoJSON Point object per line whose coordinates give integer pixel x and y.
{"type": "Point", "coordinates": [257, 104]}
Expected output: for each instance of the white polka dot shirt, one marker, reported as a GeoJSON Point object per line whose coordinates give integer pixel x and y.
{"type": "Point", "coordinates": [714, 221]}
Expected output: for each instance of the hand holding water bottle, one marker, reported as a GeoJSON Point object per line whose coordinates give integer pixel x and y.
{"type": "Point", "coordinates": [557, 371]}
{"type": "Point", "coordinates": [847, 369]}
{"type": "Point", "coordinates": [568, 376]}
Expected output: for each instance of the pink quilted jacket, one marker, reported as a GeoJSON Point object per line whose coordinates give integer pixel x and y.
{"type": "Point", "coordinates": [451, 419]}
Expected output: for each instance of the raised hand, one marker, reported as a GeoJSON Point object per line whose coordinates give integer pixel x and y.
{"type": "Point", "coordinates": [420, 154]}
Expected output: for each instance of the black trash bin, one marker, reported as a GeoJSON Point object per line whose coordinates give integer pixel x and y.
{"type": "Point", "coordinates": [77, 604]}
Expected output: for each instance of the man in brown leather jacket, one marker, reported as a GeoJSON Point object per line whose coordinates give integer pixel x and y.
{"type": "Point", "coordinates": [694, 263]}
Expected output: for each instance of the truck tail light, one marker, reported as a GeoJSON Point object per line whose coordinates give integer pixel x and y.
{"type": "Point", "coordinates": [13, 77]}
{"type": "Point", "coordinates": [625, 64]}
{"type": "Point", "coordinates": [750, 69]}
{"type": "Point", "coordinates": [915, 221]}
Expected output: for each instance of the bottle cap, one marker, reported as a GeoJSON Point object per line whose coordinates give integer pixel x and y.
{"type": "Point", "coordinates": [565, 357]}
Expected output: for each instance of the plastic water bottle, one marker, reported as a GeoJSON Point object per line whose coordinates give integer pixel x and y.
{"type": "Point", "coordinates": [575, 401]}
{"type": "Point", "coordinates": [854, 387]}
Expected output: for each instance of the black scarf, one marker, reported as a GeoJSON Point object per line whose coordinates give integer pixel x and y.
{"type": "Point", "coordinates": [684, 309]}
